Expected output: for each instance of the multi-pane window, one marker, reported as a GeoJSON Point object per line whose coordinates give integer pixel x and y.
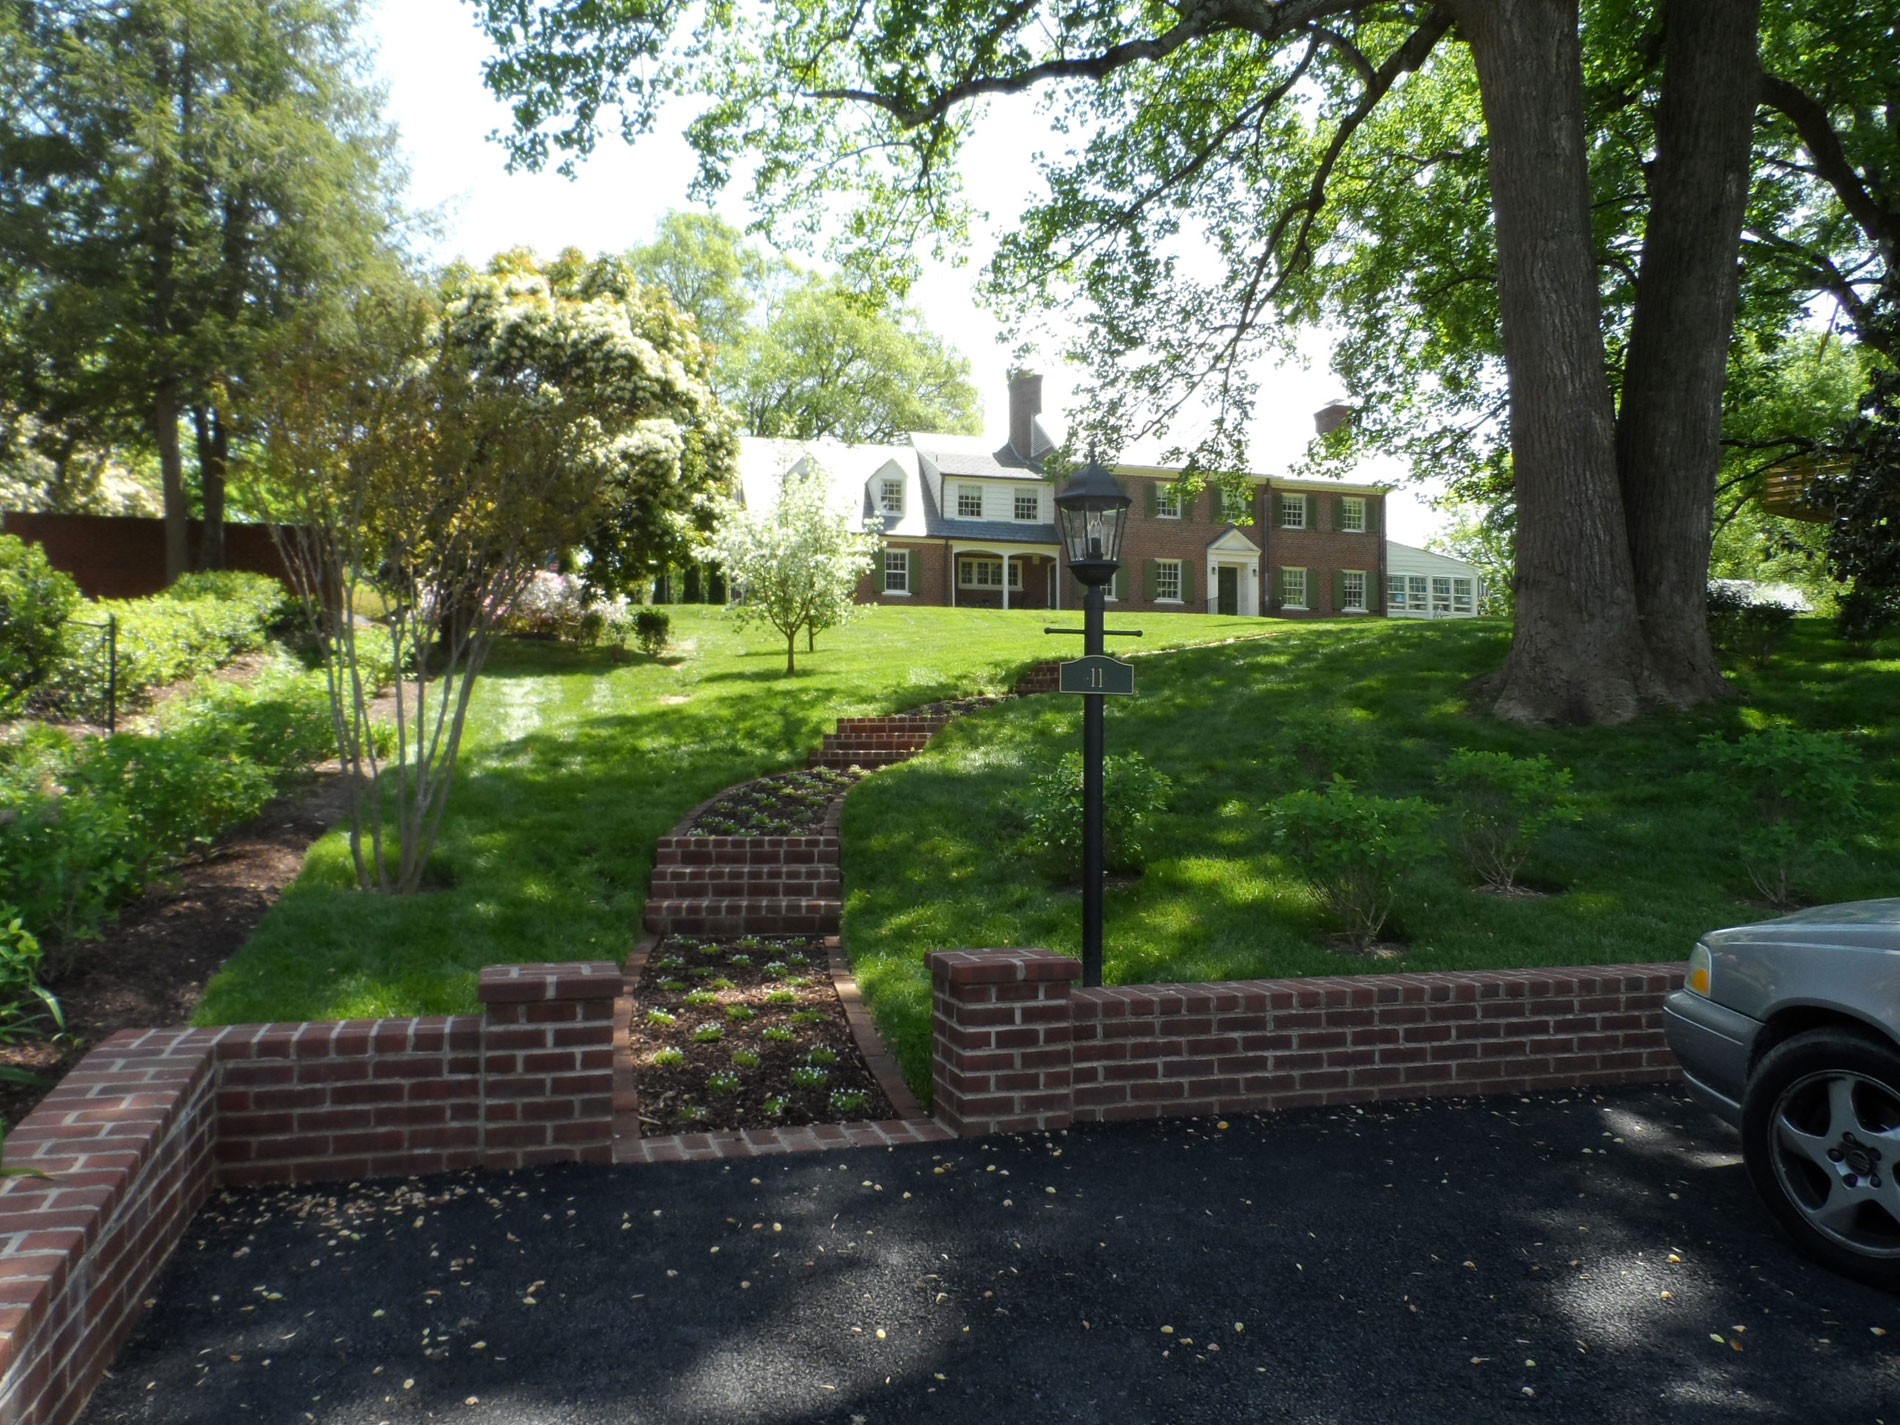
{"type": "Point", "coordinates": [1168, 579]}
{"type": "Point", "coordinates": [1028, 506]}
{"type": "Point", "coordinates": [1293, 588]}
{"type": "Point", "coordinates": [1293, 512]}
{"type": "Point", "coordinates": [1352, 584]}
{"type": "Point", "coordinates": [982, 572]}
{"type": "Point", "coordinates": [897, 571]}
{"type": "Point", "coordinates": [1167, 502]}
{"type": "Point", "coordinates": [970, 502]}
{"type": "Point", "coordinates": [1441, 596]}
{"type": "Point", "coordinates": [1352, 512]}
{"type": "Point", "coordinates": [1395, 593]}
{"type": "Point", "coordinates": [890, 496]}
{"type": "Point", "coordinates": [1462, 592]}
{"type": "Point", "coordinates": [1415, 588]}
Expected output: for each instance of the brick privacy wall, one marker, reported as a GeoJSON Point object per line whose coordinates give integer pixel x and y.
{"type": "Point", "coordinates": [1017, 1046]}
{"type": "Point", "coordinates": [123, 557]}
{"type": "Point", "coordinates": [150, 1121]}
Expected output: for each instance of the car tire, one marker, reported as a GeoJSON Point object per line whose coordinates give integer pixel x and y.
{"type": "Point", "coordinates": [1821, 1140]}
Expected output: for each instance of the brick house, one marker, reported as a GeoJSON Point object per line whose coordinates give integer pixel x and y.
{"type": "Point", "coordinates": [968, 525]}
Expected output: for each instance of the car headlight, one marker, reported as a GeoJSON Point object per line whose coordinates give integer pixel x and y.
{"type": "Point", "coordinates": [1701, 969]}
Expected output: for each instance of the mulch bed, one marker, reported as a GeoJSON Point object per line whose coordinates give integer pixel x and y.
{"type": "Point", "coordinates": [789, 1019]}
{"type": "Point", "coordinates": [785, 804]}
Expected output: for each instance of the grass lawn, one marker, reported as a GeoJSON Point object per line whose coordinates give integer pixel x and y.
{"type": "Point", "coordinates": [573, 764]}
{"type": "Point", "coordinates": [931, 858]}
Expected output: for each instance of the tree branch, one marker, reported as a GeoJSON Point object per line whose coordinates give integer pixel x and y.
{"type": "Point", "coordinates": [1831, 163]}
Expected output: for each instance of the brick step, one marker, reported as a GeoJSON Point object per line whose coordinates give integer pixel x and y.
{"type": "Point", "coordinates": [1044, 677]}
{"type": "Point", "coordinates": [764, 915]}
{"type": "Point", "coordinates": [900, 722]}
{"type": "Point", "coordinates": [872, 746]}
{"type": "Point", "coordinates": [746, 851]}
{"type": "Point", "coordinates": [674, 882]}
{"type": "Point", "coordinates": [868, 760]}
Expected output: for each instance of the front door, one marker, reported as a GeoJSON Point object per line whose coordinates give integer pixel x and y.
{"type": "Point", "coordinates": [1227, 596]}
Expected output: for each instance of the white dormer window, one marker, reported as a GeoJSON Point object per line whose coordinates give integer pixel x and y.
{"type": "Point", "coordinates": [890, 496]}
{"type": "Point", "coordinates": [970, 502]}
{"type": "Point", "coordinates": [1167, 501]}
{"type": "Point", "coordinates": [1028, 505]}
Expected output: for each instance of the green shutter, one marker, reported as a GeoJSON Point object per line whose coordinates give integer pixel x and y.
{"type": "Point", "coordinates": [1148, 580]}
{"type": "Point", "coordinates": [1375, 508]}
{"type": "Point", "coordinates": [1154, 498]}
{"type": "Point", "coordinates": [1339, 590]}
{"type": "Point", "coordinates": [1120, 587]}
{"type": "Point", "coordinates": [1187, 581]}
{"type": "Point", "coordinates": [1339, 511]}
{"type": "Point", "coordinates": [1312, 511]}
{"type": "Point", "coordinates": [1277, 505]}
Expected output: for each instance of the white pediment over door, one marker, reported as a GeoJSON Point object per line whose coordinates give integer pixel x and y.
{"type": "Point", "coordinates": [1234, 542]}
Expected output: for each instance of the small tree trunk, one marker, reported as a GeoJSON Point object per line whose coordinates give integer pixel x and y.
{"type": "Point", "coordinates": [214, 461]}
{"type": "Point", "coordinates": [171, 469]}
{"type": "Point", "coordinates": [1669, 430]}
{"type": "Point", "coordinates": [811, 637]}
{"type": "Point", "coordinates": [791, 651]}
{"type": "Point", "coordinates": [1577, 653]}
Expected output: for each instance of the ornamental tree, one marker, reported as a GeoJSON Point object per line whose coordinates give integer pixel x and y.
{"type": "Point", "coordinates": [435, 449]}
{"type": "Point", "coordinates": [796, 565]}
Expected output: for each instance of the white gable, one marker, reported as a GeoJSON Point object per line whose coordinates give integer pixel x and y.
{"type": "Point", "coordinates": [1404, 559]}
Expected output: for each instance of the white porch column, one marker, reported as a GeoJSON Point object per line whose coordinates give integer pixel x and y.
{"type": "Point", "coordinates": [1006, 582]}
{"type": "Point", "coordinates": [953, 575]}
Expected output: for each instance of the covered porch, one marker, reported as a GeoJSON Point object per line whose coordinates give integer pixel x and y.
{"type": "Point", "coordinates": [989, 574]}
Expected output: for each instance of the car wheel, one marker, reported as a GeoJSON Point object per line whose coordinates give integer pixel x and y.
{"type": "Point", "coordinates": [1821, 1138]}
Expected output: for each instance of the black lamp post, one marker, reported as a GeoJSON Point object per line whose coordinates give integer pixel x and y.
{"type": "Point", "coordinates": [1094, 512]}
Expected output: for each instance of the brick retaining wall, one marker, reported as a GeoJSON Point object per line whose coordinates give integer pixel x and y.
{"type": "Point", "coordinates": [1018, 1046]}
{"type": "Point", "coordinates": [151, 1120]}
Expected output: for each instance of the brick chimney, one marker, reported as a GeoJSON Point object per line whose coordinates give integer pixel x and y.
{"type": "Point", "coordinates": [1025, 404]}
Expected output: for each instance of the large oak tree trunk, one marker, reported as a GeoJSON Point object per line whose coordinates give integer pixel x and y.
{"type": "Point", "coordinates": [214, 463]}
{"type": "Point", "coordinates": [1577, 651]}
{"type": "Point", "coordinates": [1669, 428]}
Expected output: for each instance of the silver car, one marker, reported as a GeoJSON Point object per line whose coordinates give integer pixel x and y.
{"type": "Point", "coordinates": [1790, 1029]}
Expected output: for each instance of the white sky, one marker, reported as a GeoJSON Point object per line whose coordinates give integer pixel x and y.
{"type": "Point", "coordinates": [430, 55]}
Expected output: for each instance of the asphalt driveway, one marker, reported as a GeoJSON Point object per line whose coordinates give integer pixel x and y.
{"type": "Point", "coordinates": [1570, 1257]}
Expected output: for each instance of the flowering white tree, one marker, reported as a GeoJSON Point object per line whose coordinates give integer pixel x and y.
{"type": "Point", "coordinates": [796, 565]}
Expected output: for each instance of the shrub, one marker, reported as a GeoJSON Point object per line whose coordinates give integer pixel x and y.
{"type": "Point", "coordinates": [35, 601]}
{"type": "Point", "coordinates": [1503, 804]}
{"type": "Point", "coordinates": [652, 631]}
{"type": "Point", "coordinates": [1134, 794]}
{"type": "Point", "coordinates": [1326, 742]}
{"type": "Point", "coordinates": [25, 1004]}
{"type": "Point", "coordinates": [1355, 850]}
{"type": "Point", "coordinates": [88, 822]}
{"type": "Point", "coordinates": [1791, 796]}
{"type": "Point", "coordinates": [1864, 617]}
{"type": "Point", "coordinates": [1747, 622]}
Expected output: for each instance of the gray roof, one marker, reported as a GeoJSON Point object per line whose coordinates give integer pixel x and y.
{"type": "Point", "coordinates": [997, 531]}
{"type": "Point", "coordinates": [966, 456]}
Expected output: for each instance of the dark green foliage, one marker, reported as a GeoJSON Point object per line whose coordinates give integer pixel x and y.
{"type": "Point", "coordinates": [35, 601]}
{"type": "Point", "coordinates": [1501, 805]}
{"type": "Point", "coordinates": [1751, 628]}
{"type": "Point", "coordinates": [1864, 616]}
{"type": "Point", "coordinates": [1793, 798]}
{"type": "Point", "coordinates": [1863, 546]}
{"type": "Point", "coordinates": [1356, 850]}
{"type": "Point", "coordinates": [26, 1006]}
{"type": "Point", "coordinates": [652, 630]}
{"type": "Point", "coordinates": [91, 821]}
{"type": "Point", "coordinates": [1322, 743]}
{"type": "Point", "coordinates": [1133, 795]}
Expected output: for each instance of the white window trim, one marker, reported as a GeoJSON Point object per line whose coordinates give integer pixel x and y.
{"type": "Point", "coordinates": [1470, 595]}
{"type": "Point", "coordinates": [1180, 571]}
{"type": "Point", "coordinates": [903, 554]}
{"type": "Point", "coordinates": [885, 503]}
{"type": "Point", "coordinates": [1167, 491]}
{"type": "Point", "coordinates": [1365, 592]}
{"type": "Point", "coordinates": [1306, 587]}
{"type": "Point", "coordinates": [1015, 574]}
{"type": "Point", "coordinates": [976, 490]}
{"type": "Point", "coordinates": [1288, 505]}
{"type": "Point", "coordinates": [1347, 503]}
{"type": "Point", "coordinates": [1015, 506]}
